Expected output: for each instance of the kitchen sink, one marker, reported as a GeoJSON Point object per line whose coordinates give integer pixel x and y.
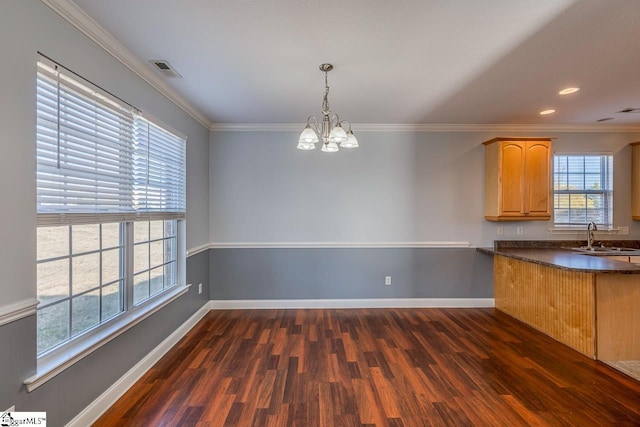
{"type": "Point", "coordinates": [600, 250]}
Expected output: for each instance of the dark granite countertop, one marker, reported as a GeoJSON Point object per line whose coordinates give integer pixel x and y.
{"type": "Point", "coordinates": [554, 255]}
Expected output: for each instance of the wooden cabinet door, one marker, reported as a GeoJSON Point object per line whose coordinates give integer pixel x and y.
{"type": "Point", "coordinates": [512, 178]}
{"type": "Point", "coordinates": [537, 178]}
{"type": "Point", "coordinates": [517, 179]}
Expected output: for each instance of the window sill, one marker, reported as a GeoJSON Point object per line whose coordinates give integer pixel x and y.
{"type": "Point", "coordinates": [52, 364]}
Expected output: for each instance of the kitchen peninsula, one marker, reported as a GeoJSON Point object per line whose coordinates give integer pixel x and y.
{"type": "Point", "coordinates": [590, 303]}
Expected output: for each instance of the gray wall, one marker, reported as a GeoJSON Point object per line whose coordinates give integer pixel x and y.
{"type": "Point", "coordinates": [397, 187]}
{"type": "Point", "coordinates": [349, 273]}
{"type": "Point", "coordinates": [26, 27]}
{"type": "Point", "coordinates": [406, 187]}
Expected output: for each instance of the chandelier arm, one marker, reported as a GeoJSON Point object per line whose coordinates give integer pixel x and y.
{"type": "Point", "coordinates": [312, 122]}
{"type": "Point", "coordinates": [347, 122]}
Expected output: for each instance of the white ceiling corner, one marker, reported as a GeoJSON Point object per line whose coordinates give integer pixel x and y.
{"type": "Point", "coordinates": [68, 10]}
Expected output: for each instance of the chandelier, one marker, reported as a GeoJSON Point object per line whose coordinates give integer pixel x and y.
{"type": "Point", "coordinates": [330, 129]}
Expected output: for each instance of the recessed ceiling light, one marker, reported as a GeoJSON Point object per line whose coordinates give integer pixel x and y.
{"type": "Point", "coordinates": [568, 90]}
{"type": "Point", "coordinates": [547, 112]}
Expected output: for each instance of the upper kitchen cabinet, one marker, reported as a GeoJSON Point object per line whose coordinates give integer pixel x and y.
{"type": "Point", "coordinates": [517, 179]}
{"type": "Point", "coordinates": [635, 180]}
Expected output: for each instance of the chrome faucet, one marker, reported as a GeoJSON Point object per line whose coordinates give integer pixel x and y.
{"type": "Point", "coordinates": [591, 227]}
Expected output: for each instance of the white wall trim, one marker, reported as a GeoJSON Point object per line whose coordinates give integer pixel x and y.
{"type": "Point", "coordinates": [354, 303]}
{"type": "Point", "coordinates": [17, 310]}
{"type": "Point", "coordinates": [336, 245]}
{"type": "Point", "coordinates": [408, 127]}
{"type": "Point", "coordinates": [198, 249]}
{"type": "Point", "coordinates": [77, 17]}
{"type": "Point", "coordinates": [92, 412]}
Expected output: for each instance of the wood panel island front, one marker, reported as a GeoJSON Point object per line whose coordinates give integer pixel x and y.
{"type": "Point", "coordinates": [590, 303]}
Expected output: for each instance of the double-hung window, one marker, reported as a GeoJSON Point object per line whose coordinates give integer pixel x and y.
{"type": "Point", "coordinates": [110, 205]}
{"type": "Point", "coordinates": [583, 189]}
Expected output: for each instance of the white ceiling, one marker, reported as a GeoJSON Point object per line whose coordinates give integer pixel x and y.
{"type": "Point", "coordinates": [402, 61]}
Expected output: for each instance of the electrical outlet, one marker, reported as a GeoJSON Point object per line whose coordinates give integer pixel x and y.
{"type": "Point", "coordinates": [520, 231]}
{"type": "Point", "coordinates": [623, 230]}
{"type": "Point", "coordinates": [387, 280]}
{"type": "Point", "coordinates": [500, 231]}
{"type": "Point", "coordinates": [199, 288]}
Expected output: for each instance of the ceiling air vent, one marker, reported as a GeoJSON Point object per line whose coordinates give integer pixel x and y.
{"type": "Point", "coordinates": [630, 110]}
{"type": "Point", "coordinates": [165, 68]}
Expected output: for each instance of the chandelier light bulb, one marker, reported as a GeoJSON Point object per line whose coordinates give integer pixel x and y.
{"type": "Point", "coordinates": [351, 142]}
{"type": "Point", "coordinates": [329, 147]}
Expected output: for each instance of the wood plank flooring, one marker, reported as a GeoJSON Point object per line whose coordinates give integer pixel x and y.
{"type": "Point", "coordinates": [374, 367]}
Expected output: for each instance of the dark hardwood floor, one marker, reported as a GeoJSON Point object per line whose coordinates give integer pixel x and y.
{"type": "Point", "coordinates": [382, 367]}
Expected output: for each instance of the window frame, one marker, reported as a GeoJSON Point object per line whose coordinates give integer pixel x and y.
{"type": "Point", "coordinates": [606, 176]}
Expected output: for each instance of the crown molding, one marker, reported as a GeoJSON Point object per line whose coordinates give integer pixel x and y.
{"type": "Point", "coordinates": [405, 127]}
{"type": "Point", "coordinates": [77, 17]}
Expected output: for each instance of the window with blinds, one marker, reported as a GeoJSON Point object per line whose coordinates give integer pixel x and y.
{"type": "Point", "coordinates": [100, 161]}
{"type": "Point", "coordinates": [110, 203]}
{"type": "Point", "coordinates": [583, 189]}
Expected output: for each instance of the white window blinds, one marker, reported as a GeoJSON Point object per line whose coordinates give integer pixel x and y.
{"type": "Point", "coordinates": [94, 162]}
{"type": "Point", "coordinates": [159, 165]}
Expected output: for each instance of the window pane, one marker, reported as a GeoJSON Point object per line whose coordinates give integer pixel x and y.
{"type": "Point", "coordinates": [156, 283]}
{"type": "Point", "coordinates": [561, 182]}
{"type": "Point", "coordinates": [140, 231]}
{"type": "Point", "coordinates": [170, 251]}
{"type": "Point", "coordinates": [595, 215]}
{"type": "Point", "coordinates": [53, 280]}
{"type": "Point", "coordinates": [111, 270]}
{"type": "Point", "coordinates": [169, 275]}
{"type": "Point", "coordinates": [156, 230]}
{"type": "Point", "coordinates": [576, 182]}
{"type": "Point", "coordinates": [561, 216]}
{"type": "Point", "coordinates": [85, 312]}
{"type": "Point", "coordinates": [578, 216]}
{"type": "Point", "coordinates": [85, 238]}
{"type": "Point", "coordinates": [157, 253]}
{"type": "Point", "coordinates": [85, 272]}
{"type": "Point", "coordinates": [53, 325]}
{"type": "Point", "coordinates": [170, 228]}
{"type": "Point", "coordinates": [110, 235]}
{"type": "Point", "coordinates": [140, 287]}
{"type": "Point", "coordinates": [592, 164]}
{"type": "Point", "coordinates": [111, 300]}
{"type": "Point", "coordinates": [141, 257]}
{"type": "Point", "coordinates": [575, 164]}
{"type": "Point", "coordinates": [562, 201]}
{"type": "Point", "coordinates": [595, 201]}
{"type": "Point", "coordinates": [53, 242]}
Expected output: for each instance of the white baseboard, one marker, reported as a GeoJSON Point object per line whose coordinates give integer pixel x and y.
{"type": "Point", "coordinates": [92, 412]}
{"type": "Point", "coordinates": [353, 303]}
